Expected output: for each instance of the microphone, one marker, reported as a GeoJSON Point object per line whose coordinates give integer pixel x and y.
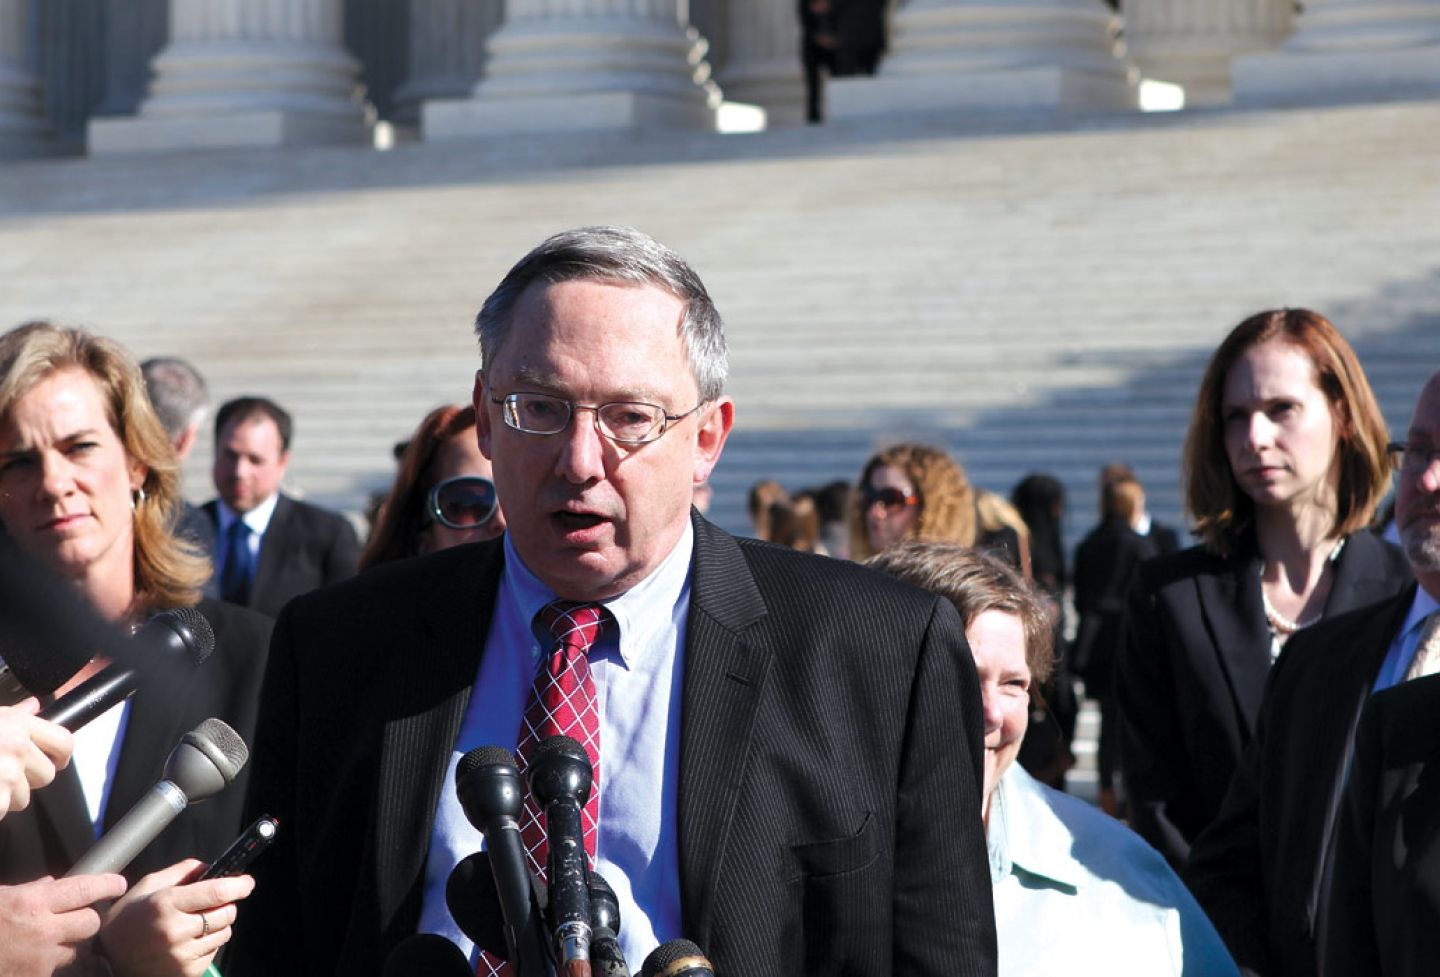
{"type": "Point", "coordinates": [474, 904]}
{"type": "Point", "coordinates": [605, 955]}
{"type": "Point", "coordinates": [426, 955]}
{"type": "Point", "coordinates": [677, 958]}
{"type": "Point", "coordinates": [206, 760]}
{"type": "Point", "coordinates": [560, 780]}
{"type": "Point", "coordinates": [492, 795]}
{"type": "Point", "coordinates": [182, 633]}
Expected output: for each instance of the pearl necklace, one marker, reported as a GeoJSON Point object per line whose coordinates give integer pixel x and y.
{"type": "Point", "coordinates": [1279, 623]}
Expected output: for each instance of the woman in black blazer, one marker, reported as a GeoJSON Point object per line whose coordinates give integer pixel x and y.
{"type": "Point", "coordinates": [90, 488]}
{"type": "Point", "coordinates": [1284, 466]}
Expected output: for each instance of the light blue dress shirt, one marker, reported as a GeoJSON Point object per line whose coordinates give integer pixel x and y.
{"type": "Point", "coordinates": [1402, 649]}
{"type": "Point", "coordinates": [1077, 892]}
{"type": "Point", "coordinates": [637, 666]}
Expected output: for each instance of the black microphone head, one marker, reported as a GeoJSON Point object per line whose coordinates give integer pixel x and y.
{"type": "Point", "coordinates": [182, 631]}
{"type": "Point", "coordinates": [426, 955]}
{"type": "Point", "coordinates": [604, 906]}
{"type": "Point", "coordinates": [677, 958]}
{"type": "Point", "coordinates": [475, 905]}
{"type": "Point", "coordinates": [208, 758]}
{"type": "Point", "coordinates": [560, 767]}
{"type": "Point", "coordinates": [488, 784]}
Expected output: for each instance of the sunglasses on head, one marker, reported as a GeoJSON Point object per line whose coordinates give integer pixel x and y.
{"type": "Point", "coordinates": [890, 498]}
{"type": "Point", "coordinates": [463, 502]}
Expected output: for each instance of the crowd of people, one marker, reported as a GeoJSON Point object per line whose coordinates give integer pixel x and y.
{"type": "Point", "coordinates": [838, 746]}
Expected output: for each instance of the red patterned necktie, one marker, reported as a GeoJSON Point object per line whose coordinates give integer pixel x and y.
{"type": "Point", "coordinates": [562, 702]}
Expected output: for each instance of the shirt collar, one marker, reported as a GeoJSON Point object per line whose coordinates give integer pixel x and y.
{"type": "Point", "coordinates": [1026, 834]}
{"type": "Point", "coordinates": [1420, 608]}
{"type": "Point", "coordinates": [258, 518]}
{"type": "Point", "coordinates": [635, 611]}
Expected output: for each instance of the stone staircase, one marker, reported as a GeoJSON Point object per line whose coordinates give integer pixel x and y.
{"type": "Point", "coordinates": [1035, 293]}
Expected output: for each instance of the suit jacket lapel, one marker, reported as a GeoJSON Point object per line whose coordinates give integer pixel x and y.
{"type": "Point", "coordinates": [149, 737]}
{"type": "Point", "coordinates": [723, 678]}
{"type": "Point", "coordinates": [1359, 575]}
{"type": "Point", "coordinates": [428, 691]}
{"type": "Point", "coordinates": [278, 534]}
{"type": "Point", "coordinates": [1235, 617]}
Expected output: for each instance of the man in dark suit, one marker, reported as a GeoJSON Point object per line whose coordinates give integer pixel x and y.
{"type": "Point", "coordinates": [789, 748]}
{"type": "Point", "coordinates": [1382, 916]}
{"type": "Point", "coordinates": [1261, 869]}
{"type": "Point", "coordinates": [271, 547]}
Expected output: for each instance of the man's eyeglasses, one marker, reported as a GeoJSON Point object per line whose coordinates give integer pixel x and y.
{"type": "Point", "coordinates": [1411, 457]}
{"type": "Point", "coordinates": [463, 502]}
{"type": "Point", "coordinates": [891, 498]}
{"type": "Point", "coordinates": [620, 421]}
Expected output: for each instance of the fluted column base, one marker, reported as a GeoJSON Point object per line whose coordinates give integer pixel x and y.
{"type": "Point", "coordinates": [236, 92]}
{"type": "Point", "coordinates": [24, 132]}
{"type": "Point", "coordinates": [1348, 51]}
{"type": "Point", "coordinates": [575, 74]}
{"type": "Point", "coordinates": [980, 54]}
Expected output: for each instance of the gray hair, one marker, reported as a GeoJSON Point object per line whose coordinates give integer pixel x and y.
{"type": "Point", "coordinates": [177, 391]}
{"type": "Point", "coordinates": [620, 255]}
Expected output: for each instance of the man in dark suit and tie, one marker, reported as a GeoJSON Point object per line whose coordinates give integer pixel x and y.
{"type": "Point", "coordinates": [1262, 870]}
{"type": "Point", "coordinates": [788, 749]}
{"type": "Point", "coordinates": [1383, 912]}
{"type": "Point", "coordinates": [271, 547]}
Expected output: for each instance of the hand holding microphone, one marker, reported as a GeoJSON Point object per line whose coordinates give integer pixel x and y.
{"type": "Point", "coordinates": [169, 924]}
{"type": "Point", "coordinates": [32, 750]}
{"type": "Point", "coordinates": [207, 759]}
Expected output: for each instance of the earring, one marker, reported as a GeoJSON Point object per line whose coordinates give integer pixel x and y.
{"type": "Point", "coordinates": [137, 497]}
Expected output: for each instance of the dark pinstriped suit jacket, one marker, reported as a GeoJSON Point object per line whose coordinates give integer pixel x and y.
{"type": "Point", "coordinates": [829, 767]}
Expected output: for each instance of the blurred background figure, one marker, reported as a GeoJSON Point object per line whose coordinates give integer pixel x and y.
{"type": "Point", "coordinates": [1284, 466]}
{"type": "Point", "coordinates": [796, 523]}
{"type": "Point", "coordinates": [833, 502]}
{"type": "Point", "coordinates": [763, 495]}
{"type": "Point", "coordinates": [1075, 891]}
{"type": "Point", "coordinates": [1105, 564]}
{"type": "Point", "coordinates": [181, 400]}
{"type": "Point", "coordinates": [1046, 752]}
{"type": "Point", "coordinates": [90, 488]}
{"type": "Point", "coordinates": [443, 493]}
{"type": "Point", "coordinates": [1163, 536]}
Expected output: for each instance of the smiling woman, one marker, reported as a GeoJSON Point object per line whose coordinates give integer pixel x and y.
{"type": "Point", "coordinates": [1054, 860]}
{"type": "Point", "coordinates": [89, 486]}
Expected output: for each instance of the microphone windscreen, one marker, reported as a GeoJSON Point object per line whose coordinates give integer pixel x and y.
{"type": "Point", "coordinates": [193, 629]}
{"type": "Point", "coordinates": [426, 955]}
{"type": "Point", "coordinates": [207, 759]}
{"type": "Point", "coordinates": [484, 756]}
{"type": "Point", "coordinates": [475, 905]}
{"type": "Point", "coordinates": [677, 958]}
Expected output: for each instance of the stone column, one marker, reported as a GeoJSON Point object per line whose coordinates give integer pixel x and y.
{"type": "Point", "coordinates": [996, 54]}
{"type": "Point", "coordinates": [763, 62]}
{"type": "Point", "coordinates": [577, 65]}
{"type": "Point", "coordinates": [245, 73]}
{"type": "Point", "coordinates": [1192, 42]}
{"type": "Point", "coordinates": [1348, 50]}
{"type": "Point", "coordinates": [447, 51]}
{"type": "Point", "coordinates": [23, 128]}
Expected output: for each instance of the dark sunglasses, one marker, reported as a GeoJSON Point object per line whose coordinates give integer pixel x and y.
{"type": "Point", "coordinates": [463, 502]}
{"type": "Point", "coordinates": [890, 498]}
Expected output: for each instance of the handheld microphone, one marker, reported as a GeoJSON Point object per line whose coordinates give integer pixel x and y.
{"type": "Point", "coordinates": [206, 760]}
{"type": "Point", "coordinates": [182, 633]}
{"type": "Point", "coordinates": [491, 793]}
{"type": "Point", "coordinates": [677, 958]}
{"type": "Point", "coordinates": [426, 955]}
{"type": "Point", "coordinates": [606, 957]}
{"type": "Point", "coordinates": [560, 780]}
